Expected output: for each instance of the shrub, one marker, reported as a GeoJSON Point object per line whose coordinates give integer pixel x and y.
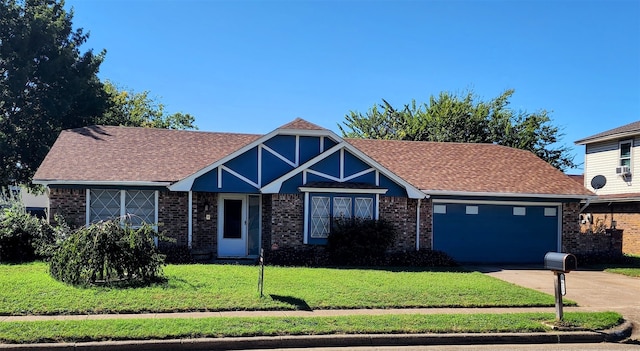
{"type": "Point", "coordinates": [308, 256]}
{"type": "Point", "coordinates": [176, 254]}
{"type": "Point", "coordinates": [24, 237]}
{"type": "Point", "coordinates": [360, 241]}
{"type": "Point", "coordinates": [108, 253]}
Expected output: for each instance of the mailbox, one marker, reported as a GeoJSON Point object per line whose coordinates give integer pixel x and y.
{"type": "Point", "coordinates": [560, 262]}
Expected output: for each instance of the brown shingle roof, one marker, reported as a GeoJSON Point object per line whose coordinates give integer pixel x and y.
{"type": "Point", "coordinates": [459, 167]}
{"type": "Point", "coordinates": [107, 153]}
{"type": "Point", "coordinates": [579, 178]}
{"type": "Point", "coordinates": [126, 154]}
{"type": "Point", "coordinates": [626, 129]}
{"type": "Point", "coordinates": [301, 124]}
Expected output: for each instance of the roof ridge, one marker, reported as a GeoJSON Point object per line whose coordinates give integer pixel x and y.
{"type": "Point", "coordinates": [299, 123]}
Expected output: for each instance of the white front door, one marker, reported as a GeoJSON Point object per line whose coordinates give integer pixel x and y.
{"type": "Point", "coordinates": [232, 226]}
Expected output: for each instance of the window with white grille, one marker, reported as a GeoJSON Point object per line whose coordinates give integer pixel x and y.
{"type": "Point", "coordinates": [104, 205]}
{"type": "Point", "coordinates": [364, 207]}
{"type": "Point", "coordinates": [140, 207]}
{"type": "Point", "coordinates": [326, 209]}
{"type": "Point", "coordinates": [134, 206]}
{"type": "Point", "coordinates": [320, 214]}
{"type": "Point", "coordinates": [341, 207]}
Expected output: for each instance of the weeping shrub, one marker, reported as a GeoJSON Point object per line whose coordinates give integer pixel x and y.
{"type": "Point", "coordinates": [108, 253]}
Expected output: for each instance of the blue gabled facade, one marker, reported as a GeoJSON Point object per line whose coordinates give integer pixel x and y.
{"type": "Point", "coordinates": [300, 159]}
{"type": "Point", "coordinates": [329, 176]}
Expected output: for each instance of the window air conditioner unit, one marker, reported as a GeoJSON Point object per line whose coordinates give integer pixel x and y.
{"type": "Point", "coordinates": [623, 170]}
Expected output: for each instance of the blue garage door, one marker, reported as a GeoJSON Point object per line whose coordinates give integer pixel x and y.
{"type": "Point", "coordinates": [488, 233]}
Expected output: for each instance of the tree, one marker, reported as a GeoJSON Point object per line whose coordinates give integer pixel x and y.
{"type": "Point", "coordinates": [128, 108]}
{"type": "Point", "coordinates": [461, 118]}
{"type": "Point", "coordinates": [46, 83]}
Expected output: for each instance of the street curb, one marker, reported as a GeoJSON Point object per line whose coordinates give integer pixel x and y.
{"type": "Point", "coordinates": [342, 340]}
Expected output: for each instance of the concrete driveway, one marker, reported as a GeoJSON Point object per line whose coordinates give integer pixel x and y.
{"type": "Point", "coordinates": [592, 290]}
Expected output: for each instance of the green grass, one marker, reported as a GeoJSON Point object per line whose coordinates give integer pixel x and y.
{"type": "Point", "coordinates": [28, 289]}
{"type": "Point", "coordinates": [128, 329]}
{"type": "Point", "coordinates": [630, 266]}
{"type": "Point", "coordinates": [631, 272]}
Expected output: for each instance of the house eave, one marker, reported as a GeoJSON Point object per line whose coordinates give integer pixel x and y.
{"type": "Point", "coordinates": [306, 189]}
{"type": "Point", "coordinates": [597, 200]}
{"type": "Point", "coordinates": [49, 182]}
{"type": "Point", "coordinates": [511, 195]}
{"type": "Point", "coordinates": [624, 135]}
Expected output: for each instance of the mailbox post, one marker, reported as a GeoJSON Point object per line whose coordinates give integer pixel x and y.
{"type": "Point", "coordinates": [560, 263]}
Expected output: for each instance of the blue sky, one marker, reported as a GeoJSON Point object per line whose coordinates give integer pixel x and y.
{"type": "Point", "coordinates": [251, 66]}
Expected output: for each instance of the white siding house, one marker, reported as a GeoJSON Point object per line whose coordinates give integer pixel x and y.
{"type": "Point", "coordinates": [605, 158]}
{"type": "Point", "coordinates": [612, 163]}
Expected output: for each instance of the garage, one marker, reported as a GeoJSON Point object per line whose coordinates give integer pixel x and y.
{"type": "Point", "coordinates": [496, 232]}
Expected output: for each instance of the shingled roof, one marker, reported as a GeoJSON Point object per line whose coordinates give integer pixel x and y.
{"type": "Point", "coordinates": [128, 154]}
{"type": "Point", "coordinates": [102, 154]}
{"type": "Point", "coordinates": [619, 132]}
{"type": "Point", "coordinates": [440, 168]}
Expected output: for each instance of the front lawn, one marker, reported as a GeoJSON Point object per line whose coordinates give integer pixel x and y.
{"type": "Point", "coordinates": [139, 329]}
{"type": "Point", "coordinates": [28, 289]}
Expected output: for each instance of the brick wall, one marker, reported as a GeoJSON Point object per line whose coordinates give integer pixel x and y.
{"type": "Point", "coordinates": [205, 229]}
{"type": "Point", "coordinates": [627, 217]}
{"type": "Point", "coordinates": [173, 214]}
{"type": "Point", "coordinates": [577, 240]}
{"type": "Point", "coordinates": [70, 204]}
{"type": "Point", "coordinates": [401, 212]}
{"type": "Point", "coordinates": [286, 220]}
{"type": "Point", "coordinates": [426, 224]}
{"type": "Point", "coordinates": [267, 209]}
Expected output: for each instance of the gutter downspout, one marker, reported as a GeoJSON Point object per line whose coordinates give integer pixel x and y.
{"type": "Point", "coordinates": [585, 205]}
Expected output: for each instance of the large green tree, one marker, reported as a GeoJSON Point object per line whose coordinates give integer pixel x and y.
{"type": "Point", "coordinates": [452, 117]}
{"type": "Point", "coordinates": [128, 108]}
{"type": "Point", "coordinates": [46, 83]}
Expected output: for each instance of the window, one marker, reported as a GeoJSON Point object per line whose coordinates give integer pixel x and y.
{"type": "Point", "coordinates": [364, 207]}
{"type": "Point", "coordinates": [519, 211]}
{"type": "Point", "coordinates": [138, 205]}
{"type": "Point", "coordinates": [320, 214]}
{"type": "Point", "coordinates": [341, 207]}
{"type": "Point", "coordinates": [104, 205]}
{"type": "Point", "coordinates": [440, 209]}
{"type": "Point", "coordinates": [625, 153]}
{"type": "Point", "coordinates": [325, 208]}
{"type": "Point", "coordinates": [472, 210]}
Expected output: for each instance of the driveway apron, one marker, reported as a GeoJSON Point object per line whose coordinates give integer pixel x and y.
{"type": "Point", "coordinates": [592, 290]}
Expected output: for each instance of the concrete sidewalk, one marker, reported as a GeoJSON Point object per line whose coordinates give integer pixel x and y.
{"type": "Point", "coordinates": [315, 313]}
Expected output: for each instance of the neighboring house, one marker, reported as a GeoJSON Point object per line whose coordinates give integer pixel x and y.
{"type": "Point", "coordinates": [232, 194]}
{"type": "Point", "coordinates": [34, 203]}
{"type": "Point", "coordinates": [611, 166]}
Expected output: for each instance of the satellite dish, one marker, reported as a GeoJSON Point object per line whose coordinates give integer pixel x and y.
{"type": "Point", "coordinates": [598, 182]}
